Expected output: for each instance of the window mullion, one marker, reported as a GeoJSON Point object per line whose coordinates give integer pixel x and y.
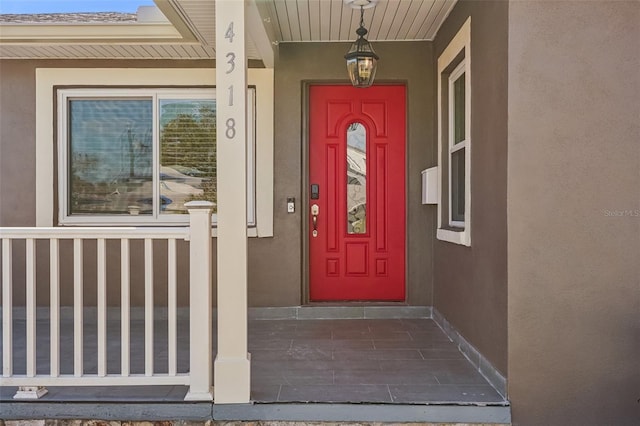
{"type": "Point", "coordinates": [155, 143]}
{"type": "Point", "coordinates": [63, 173]}
{"type": "Point", "coordinates": [458, 146]}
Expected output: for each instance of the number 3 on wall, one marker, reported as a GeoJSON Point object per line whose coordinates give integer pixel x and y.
{"type": "Point", "coordinates": [232, 64]}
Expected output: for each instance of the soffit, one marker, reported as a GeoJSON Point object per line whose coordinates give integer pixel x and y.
{"type": "Point", "coordinates": [189, 32]}
{"type": "Point", "coordinates": [330, 20]}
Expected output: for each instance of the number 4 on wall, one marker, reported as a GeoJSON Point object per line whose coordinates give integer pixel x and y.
{"type": "Point", "coordinates": [229, 34]}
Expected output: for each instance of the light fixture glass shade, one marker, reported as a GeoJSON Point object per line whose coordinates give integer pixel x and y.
{"type": "Point", "coordinates": [362, 63]}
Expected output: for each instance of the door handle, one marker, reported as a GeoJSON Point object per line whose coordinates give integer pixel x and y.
{"type": "Point", "coordinates": [315, 210]}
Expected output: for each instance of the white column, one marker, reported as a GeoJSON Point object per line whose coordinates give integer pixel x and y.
{"type": "Point", "coordinates": [200, 319]}
{"type": "Point", "coordinates": [232, 364]}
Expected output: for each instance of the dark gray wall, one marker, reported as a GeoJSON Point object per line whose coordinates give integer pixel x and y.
{"type": "Point", "coordinates": [276, 271]}
{"type": "Point", "coordinates": [270, 269]}
{"type": "Point", "coordinates": [574, 213]}
{"type": "Point", "coordinates": [409, 63]}
{"type": "Point", "coordinates": [17, 191]}
{"type": "Point", "coordinates": [17, 143]}
{"type": "Point", "coordinates": [470, 284]}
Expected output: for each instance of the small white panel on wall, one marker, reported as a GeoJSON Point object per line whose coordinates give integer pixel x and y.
{"type": "Point", "coordinates": [430, 186]}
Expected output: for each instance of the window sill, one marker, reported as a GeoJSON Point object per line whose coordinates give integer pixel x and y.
{"type": "Point", "coordinates": [252, 231]}
{"type": "Point", "coordinates": [461, 237]}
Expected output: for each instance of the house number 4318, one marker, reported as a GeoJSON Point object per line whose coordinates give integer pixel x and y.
{"type": "Point", "coordinates": [230, 131]}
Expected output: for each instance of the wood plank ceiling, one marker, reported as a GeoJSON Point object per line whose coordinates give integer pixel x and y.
{"type": "Point", "coordinates": [285, 21]}
{"type": "Point", "coordinates": [330, 20]}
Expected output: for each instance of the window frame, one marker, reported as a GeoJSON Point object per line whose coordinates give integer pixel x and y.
{"type": "Point", "coordinates": [454, 146]}
{"type": "Point", "coordinates": [454, 61]}
{"type": "Point", "coordinates": [156, 94]}
{"type": "Point", "coordinates": [50, 79]}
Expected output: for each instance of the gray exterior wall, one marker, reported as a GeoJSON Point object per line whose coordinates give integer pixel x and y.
{"type": "Point", "coordinates": [574, 213]}
{"type": "Point", "coordinates": [277, 274]}
{"type": "Point", "coordinates": [17, 205]}
{"type": "Point", "coordinates": [17, 143]}
{"type": "Point", "coordinates": [405, 63]}
{"type": "Point", "coordinates": [470, 284]}
{"type": "Point", "coordinates": [17, 191]}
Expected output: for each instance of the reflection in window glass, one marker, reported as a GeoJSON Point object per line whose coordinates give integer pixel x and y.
{"type": "Point", "coordinates": [140, 152]}
{"type": "Point", "coordinates": [187, 153]}
{"type": "Point", "coordinates": [356, 179]}
{"type": "Point", "coordinates": [110, 156]}
{"type": "Point", "coordinates": [459, 109]}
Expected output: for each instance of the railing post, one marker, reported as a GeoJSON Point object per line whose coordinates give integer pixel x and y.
{"type": "Point", "coordinates": [200, 320]}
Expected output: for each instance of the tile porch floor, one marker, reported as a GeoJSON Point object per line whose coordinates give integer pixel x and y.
{"type": "Point", "coordinates": [394, 361]}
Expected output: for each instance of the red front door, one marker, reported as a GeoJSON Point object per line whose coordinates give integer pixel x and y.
{"type": "Point", "coordinates": [357, 193]}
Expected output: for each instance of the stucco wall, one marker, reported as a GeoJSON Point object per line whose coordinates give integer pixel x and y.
{"type": "Point", "coordinates": [409, 63]}
{"type": "Point", "coordinates": [574, 213]}
{"type": "Point", "coordinates": [276, 265]}
{"type": "Point", "coordinates": [17, 137]}
{"type": "Point", "coordinates": [470, 284]}
{"type": "Point", "coordinates": [18, 204]}
{"type": "Point", "coordinates": [17, 192]}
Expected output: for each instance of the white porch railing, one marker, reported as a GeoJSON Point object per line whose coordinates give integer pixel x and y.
{"type": "Point", "coordinates": [199, 376]}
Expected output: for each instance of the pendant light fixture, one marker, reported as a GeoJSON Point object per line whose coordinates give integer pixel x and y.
{"type": "Point", "coordinates": [362, 61]}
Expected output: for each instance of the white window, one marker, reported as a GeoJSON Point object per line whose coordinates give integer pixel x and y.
{"type": "Point", "coordinates": [454, 139]}
{"type": "Point", "coordinates": [136, 156]}
{"type": "Point", "coordinates": [50, 81]}
{"type": "Point", "coordinates": [457, 146]}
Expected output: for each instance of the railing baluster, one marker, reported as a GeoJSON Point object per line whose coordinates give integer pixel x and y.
{"type": "Point", "coordinates": [78, 369]}
{"type": "Point", "coordinates": [172, 306]}
{"type": "Point", "coordinates": [32, 382]}
{"type": "Point", "coordinates": [148, 307]}
{"type": "Point", "coordinates": [31, 306]}
{"type": "Point", "coordinates": [124, 306]}
{"type": "Point", "coordinates": [54, 309]}
{"type": "Point", "coordinates": [7, 308]}
{"type": "Point", "coordinates": [102, 308]}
